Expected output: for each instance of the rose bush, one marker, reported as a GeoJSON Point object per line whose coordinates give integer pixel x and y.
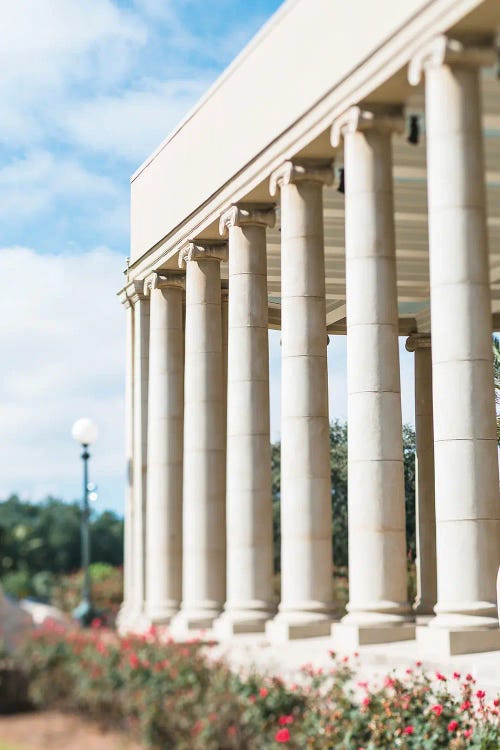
{"type": "Point", "coordinates": [177, 696]}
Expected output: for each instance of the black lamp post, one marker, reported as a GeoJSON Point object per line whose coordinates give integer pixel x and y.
{"type": "Point", "coordinates": [85, 432]}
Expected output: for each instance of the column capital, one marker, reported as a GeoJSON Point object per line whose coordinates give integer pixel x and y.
{"type": "Point", "coordinates": [385, 118]}
{"type": "Point", "coordinates": [133, 292]}
{"type": "Point", "coordinates": [201, 250]}
{"type": "Point", "coordinates": [418, 341]}
{"type": "Point", "coordinates": [301, 170]}
{"type": "Point", "coordinates": [441, 50]}
{"type": "Point", "coordinates": [163, 280]}
{"type": "Point", "coordinates": [245, 214]}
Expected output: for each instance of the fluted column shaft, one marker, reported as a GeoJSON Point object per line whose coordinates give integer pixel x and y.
{"type": "Point", "coordinates": [203, 578]}
{"type": "Point", "coordinates": [424, 476]}
{"type": "Point", "coordinates": [249, 504]}
{"type": "Point", "coordinates": [165, 442]}
{"type": "Point", "coordinates": [141, 376]}
{"type": "Point", "coordinates": [306, 526]}
{"type": "Point", "coordinates": [465, 445]}
{"type": "Point", "coordinates": [128, 582]}
{"type": "Point", "coordinates": [376, 499]}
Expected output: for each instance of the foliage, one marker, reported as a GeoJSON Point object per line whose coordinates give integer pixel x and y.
{"type": "Point", "coordinates": [338, 464]}
{"type": "Point", "coordinates": [107, 589]}
{"type": "Point", "coordinates": [39, 542]}
{"type": "Point", "coordinates": [178, 695]}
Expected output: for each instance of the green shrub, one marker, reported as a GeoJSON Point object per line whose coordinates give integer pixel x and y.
{"type": "Point", "coordinates": [175, 696]}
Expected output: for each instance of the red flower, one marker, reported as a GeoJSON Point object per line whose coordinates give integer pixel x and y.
{"type": "Point", "coordinates": [96, 623]}
{"type": "Point", "coordinates": [197, 728]}
{"type": "Point", "coordinates": [465, 705]}
{"type": "Point", "coordinates": [366, 701]}
{"type": "Point", "coordinates": [437, 709]}
{"type": "Point", "coordinates": [453, 726]}
{"type": "Point", "coordinates": [418, 663]}
{"type": "Point", "coordinates": [496, 702]}
{"type": "Point", "coordinates": [468, 733]}
{"type": "Point", "coordinates": [469, 677]}
{"type": "Point", "coordinates": [480, 694]}
{"type": "Point", "coordinates": [284, 720]}
{"type": "Point", "coordinates": [133, 660]}
{"type": "Point", "coordinates": [282, 735]}
{"type": "Point", "coordinates": [456, 675]}
{"type": "Point", "coordinates": [440, 676]}
{"type": "Point", "coordinates": [409, 729]}
{"type": "Point", "coordinates": [263, 692]}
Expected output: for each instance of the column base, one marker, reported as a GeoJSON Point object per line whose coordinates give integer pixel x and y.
{"type": "Point", "coordinates": [235, 622]}
{"type": "Point", "coordinates": [350, 636]}
{"type": "Point", "coordinates": [187, 621]}
{"type": "Point", "coordinates": [289, 626]}
{"type": "Point", "coordinates": [158, 614]}
{"type": "Point", "coordinates": [133, 621]}
{"type": "Point", "coordinates": [437, 641]}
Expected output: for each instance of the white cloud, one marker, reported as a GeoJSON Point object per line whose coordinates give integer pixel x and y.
{"type": "Point", "coordinates": [49, 48]}
{"type": "Point", "coordinates": [130, 125]}
{"type": "Point", "coordinates": [62, 344]}
{"type": "Point", "coordinates": [36, 182]}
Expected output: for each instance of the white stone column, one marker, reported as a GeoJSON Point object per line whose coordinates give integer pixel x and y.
{"type": "Point", "coordinates": [141, 376]}
{"type": "Point", "coordinates": [306, 607]}
{"type": "Point", "coordinates": [425, 525]}
{"type": "Point", "coordinates": [378, 609]}
{"type": "Point", "coordinates": [465, 446]}
{"type": "Point", "coordinates": [249, 503]}
{"type": "Point", "coordinates": [128, 555]}
{"type": "Point", "coordinates": [204, 513]}
{"type": "Point", "coordinates": [165, 441]}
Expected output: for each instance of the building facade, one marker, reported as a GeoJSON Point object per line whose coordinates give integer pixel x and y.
{"type": "Point", "coordinates": [341, 178]}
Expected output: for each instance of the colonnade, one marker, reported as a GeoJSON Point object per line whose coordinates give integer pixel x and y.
{"type": "Point", "coordinates": [199, 550]}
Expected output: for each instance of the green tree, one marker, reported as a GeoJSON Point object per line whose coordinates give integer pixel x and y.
{"type": "Point", "coordinates": [44, 537]}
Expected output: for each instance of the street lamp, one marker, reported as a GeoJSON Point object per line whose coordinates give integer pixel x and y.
{"type": "Point", "coordinates": [85, 432]}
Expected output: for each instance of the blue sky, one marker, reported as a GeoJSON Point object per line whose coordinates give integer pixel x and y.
{"type": "Point", "coordinates": [88, 88]}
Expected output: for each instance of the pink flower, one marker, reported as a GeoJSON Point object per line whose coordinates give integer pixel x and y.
{"type": "Point", "coordinates": [418, 663]}
{"type": "Point", "coordinates": [232, 731]}
{"type": "Point", "coordinates": [282, 735]}
{"type": "Point", "coordinates": [468, 733]}
{"type": "Point", "coordinates": [469, 677]}
{"type": "Point", "coordinates": [465, 706]}
{"type": "Point", "coordinates": [496, 702]}
{"type": "Point", "coordinates": [263, 692]}
{"type": "Point", "coordinates": [456, 675]}
{"type": "Point", "coordinates": [366, 701]}
{"type": "Point", "coordinates": [480, 694]}
{"type": "Point", "coordinates": [133, 660]}
{"type": "Point", "coordinates": [437, 709]}
{"type": "Point", "coordinates": [284, 720]}
{"type": "Point", "coordinates": [389, 682]}
{"type": "Point", "coordinates": [453, 726]}
{"type": "Point", "coordinates": [96, 623]}
{"type": "Point", "coordinates": [409, 729]}
{"type": "Point", "coordinates": [440, 676]}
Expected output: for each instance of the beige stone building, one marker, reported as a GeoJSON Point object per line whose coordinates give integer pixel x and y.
{"type": "Point", "coordinates": [341, 178]}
